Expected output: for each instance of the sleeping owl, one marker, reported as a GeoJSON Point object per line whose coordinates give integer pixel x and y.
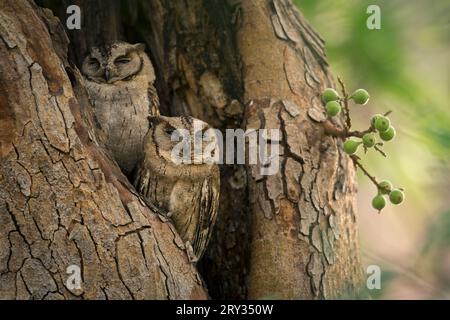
{"type": "Point", "coordinates": [119, 78]}
{"type": "Point", "coordinates": [189, 191]}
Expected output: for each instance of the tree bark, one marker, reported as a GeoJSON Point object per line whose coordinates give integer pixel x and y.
{"type": "Point", "coordinates": [62, 201]}
{"type": "Point", "coordinates": [304, 216]}
{"type": "Point", "coordinates": [235, 64]}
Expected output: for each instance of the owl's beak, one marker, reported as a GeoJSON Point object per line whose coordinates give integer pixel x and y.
{"type": "Point", "coordinates": [107, 74]}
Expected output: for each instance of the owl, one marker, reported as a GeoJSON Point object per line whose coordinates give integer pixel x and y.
{"type": "Point", "coordinates": [188, 190]}
{"type": "Point", "coordinates": [119, 78]}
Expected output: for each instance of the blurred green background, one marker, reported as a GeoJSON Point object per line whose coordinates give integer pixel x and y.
{"type": "Point", "coordinates": [405, 67]}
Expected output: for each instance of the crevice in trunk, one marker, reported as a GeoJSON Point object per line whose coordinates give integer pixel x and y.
{"type": "Point", "coordinates": [193, 49]}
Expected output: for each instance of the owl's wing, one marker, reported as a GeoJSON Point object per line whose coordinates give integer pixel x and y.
{"type": "Point", "coordinates": [142, 182]}
{"type": "Point", "coordinates": [209, 204]}
{"type": "Point", "coordinates": [153, 100]}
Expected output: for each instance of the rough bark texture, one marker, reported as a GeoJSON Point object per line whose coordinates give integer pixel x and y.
{"type": "Point", "coordinates": [235, 64]}
{"type": "Point", "coordinates": [305, 215]}
{"type": "Point", "coordinates": [62, 202]}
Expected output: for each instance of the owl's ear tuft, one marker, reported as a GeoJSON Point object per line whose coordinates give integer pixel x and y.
{"type": "Point", "coordinates": [152, 121]}
{"type": "Point", "coordinates": [139, 46]}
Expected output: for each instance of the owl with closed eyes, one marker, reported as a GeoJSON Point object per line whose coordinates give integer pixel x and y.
{"type": "Point", "coordinates": [119, 78]}
{"type": "Point", "coordinates": [179, 174]}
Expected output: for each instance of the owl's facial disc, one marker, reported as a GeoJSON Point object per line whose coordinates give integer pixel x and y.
{"type": "Point", "coordinates": [112, 63]}
{"type": "Point", "coordinates": [184, 140]}
{"type": "Point", "coordinates": [123, 64]}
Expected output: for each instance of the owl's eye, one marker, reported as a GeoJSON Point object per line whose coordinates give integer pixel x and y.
{"type": "Point", "coordinates": [170, 130]}
{"type": "Point", "coordinates": [93, 62]}
{"type": "Point", "coordinates": [122, 60]}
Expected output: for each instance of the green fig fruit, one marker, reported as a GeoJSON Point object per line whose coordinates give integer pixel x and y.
{"type": "Point", "coordinates": [351, 146]}
{"type": "Point", "coordinates": [333, 108]}
{"type": "Point", "coordinates": [382, 124]}
{"type": "Point", "coordinates": [385, 187]}
{"type": "Point", "coordinates": [396, 196]}
{"type": "Point", "coordinates": [374, 118]}
{"type": "Point", "coordinates": [360, 96]}
{"type": "Point", "coordinates": [378, 202]}
{"type": "Point", "coordinates": [329, 94]}
{"type": "Point", "coordinates": [368, 140]}
{"type": "Point", "coordinates": [388, 135]}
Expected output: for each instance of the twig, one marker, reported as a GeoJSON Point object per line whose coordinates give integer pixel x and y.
{"type": "Point", "coordinates": [359, 164]}
{"type": "Point", "coordinates": [380, 151]}
{"type": "Point", "coordinates": [360, 134]}
{"type": "Point", "coordinates": [348, 121]}
{"type": "Point", "coordinates": [332, 130]}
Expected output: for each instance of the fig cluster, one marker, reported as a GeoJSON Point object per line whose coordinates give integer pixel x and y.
{"type": "Point", "coordinates": [333, 101]}
{"type": "Point", "coordinates": [379, 123]}
{"type": "Point", "coordinates": [385, 189]}
{"type": "Point", "coordinates": [379, 131]}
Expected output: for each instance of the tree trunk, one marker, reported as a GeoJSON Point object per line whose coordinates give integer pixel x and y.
{"type": "Point", "coordinates": [235, 64]}
{"type": "Point", "coordinates": [62, 201]}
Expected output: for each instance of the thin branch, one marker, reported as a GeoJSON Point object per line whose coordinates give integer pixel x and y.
{"type": "Point", "coordinates": [359, 164]}
{"type": "Point", "coordinates": [332, 130]}
{"type": "Point", "coordinates": [380, 151]}
{"type": "Point", "coordinates": [360, 134]}
{"type": "Point", "coordinates": [348, 121]}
